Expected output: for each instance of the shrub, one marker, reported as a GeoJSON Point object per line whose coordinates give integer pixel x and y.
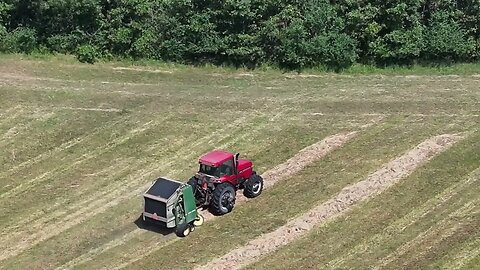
{"type": "Point", "coordinates": [87, 54]}
{"type": "Point", "coordinates": [24, 40]}
{"type": "Point", "coordinates": [446, 40]}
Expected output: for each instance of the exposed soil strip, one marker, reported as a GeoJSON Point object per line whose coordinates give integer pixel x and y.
{"type": "Point", "coordinates": [374, 184]}
{"type": "Point", "coordinates": [142, 70]}
{"type": "Point", "coordinates": [290, 167]}
{"type": "Point", "coordinates": [394, 114]}
{"type": "Point", "coordinates": [91, 109]}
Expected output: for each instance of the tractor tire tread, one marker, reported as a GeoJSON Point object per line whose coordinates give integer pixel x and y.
{"type": "Point", "coordinates": [248, 190]}
{"type": "Point", "coordinates": [216, 207]}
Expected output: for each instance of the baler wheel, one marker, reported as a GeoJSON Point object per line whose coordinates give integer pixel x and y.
{"type": "Point", "coordinates": [199, 220]}
{"type": "Point", "coordinates": [183, 230]}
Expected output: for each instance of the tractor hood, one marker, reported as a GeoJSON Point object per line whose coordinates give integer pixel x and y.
{"type": "Point", "coordinates": [244, 165]}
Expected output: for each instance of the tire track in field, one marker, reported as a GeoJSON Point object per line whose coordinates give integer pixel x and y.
{"type": "Point", "coordinates": [22, 187]}
{"type": "Point", "coordinates": [448, 224]}
{"type": "Point", "coordinates": [130, 235]}
{"type": "Point", "coordinates": [293, 165]}
{"type": "Point", "coordinates": [43, 217]}
{"type": "Point", "coordinates": [36, 221]}
{"type": "Point", "coordinates": [121, 192]}
{"type": "Point", "coordinates": [64, 146]}
{"type": "Point", "coordinates": [387, 176]}
{"type": "Point", "coordinates": [401, 224]}
{"type": "Point", "coordinates": [20, 127]}
{"type": "Point", "coordinates": [468, 253]}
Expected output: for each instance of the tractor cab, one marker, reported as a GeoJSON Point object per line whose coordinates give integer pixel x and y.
{"type": "Point", "coordinates": [221, 166]}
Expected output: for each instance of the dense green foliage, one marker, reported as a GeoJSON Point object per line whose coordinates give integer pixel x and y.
{"type": "Point", "coordinates": [290, 34]}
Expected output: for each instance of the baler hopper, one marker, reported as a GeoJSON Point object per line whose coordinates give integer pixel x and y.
{"type": "Point", "coordinates": [172, 204]}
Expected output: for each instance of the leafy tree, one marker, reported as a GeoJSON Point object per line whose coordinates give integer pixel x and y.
{"type": "Point", "coordinates": [446, 40]}
{"type": "Point", "coordinates": [292, 34]}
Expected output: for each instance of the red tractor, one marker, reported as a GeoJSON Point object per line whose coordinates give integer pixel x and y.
{"type": "Point", "coordinates": [220, 175]}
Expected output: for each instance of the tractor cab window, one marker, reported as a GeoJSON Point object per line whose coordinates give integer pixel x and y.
{"type": "Point", "coordinates": [210, 170]}
{"type": "Point", "coordinates": [226, 168]}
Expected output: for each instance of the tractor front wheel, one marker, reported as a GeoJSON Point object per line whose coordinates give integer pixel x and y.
{"type": "Point", "coordinates": [253, 186]}
{"type": "Point", "coordinates": [223, 199]}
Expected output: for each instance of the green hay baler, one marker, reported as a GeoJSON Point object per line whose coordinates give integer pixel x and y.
{"type": "Point", "coordinates": [171, 204]}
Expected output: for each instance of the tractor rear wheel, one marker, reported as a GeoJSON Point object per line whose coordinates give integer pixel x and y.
{"type": "Point", "coordinates": [253, 186]}
{"type": "Point", "coordinates": [223, 199]}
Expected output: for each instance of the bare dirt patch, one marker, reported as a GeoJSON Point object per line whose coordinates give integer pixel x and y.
{"type": "Point", "coordinates": [142, 70]}
{"type": "Point", "coordinates": [91, 109]}
{"type": "Point", "coordinates": [377, 182]}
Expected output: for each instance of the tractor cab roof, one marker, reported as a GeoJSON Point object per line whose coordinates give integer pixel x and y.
{"type": "Point", "coordinates": [215, 158]}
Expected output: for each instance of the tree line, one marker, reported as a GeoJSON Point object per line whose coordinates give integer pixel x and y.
{"type": "Point", "coordinates": [290, 34]}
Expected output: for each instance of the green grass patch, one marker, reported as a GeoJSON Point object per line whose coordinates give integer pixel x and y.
{"type": "Point", "coordinates": [362, 238]}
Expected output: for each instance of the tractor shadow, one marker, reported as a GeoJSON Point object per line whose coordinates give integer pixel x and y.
{"type": "Point", "coordinates": [156, 228]}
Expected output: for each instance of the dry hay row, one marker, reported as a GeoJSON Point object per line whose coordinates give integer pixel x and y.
{"type": "Point", "coordinates": [349, 196]}
{"type": "Point", "coordinates": [406, 221]}
{"type": "Point", "coordinates": [393, 114]}
{"type": "Point", "coordinates": [8, 110]}
{"type": "Point", "coordinates": [95, 109]}
{"type": "Point", "coordinates": [290, 167]}
{"type": "Point", "coordinates": [8, 115]}
{"type": "Point", "coordinates": [122, 190]}
{"type": "Point", "coordinates": [9, 78]}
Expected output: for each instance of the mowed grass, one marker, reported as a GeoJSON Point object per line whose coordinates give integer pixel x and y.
{"type": "Point", "coordinates": [79, 144]}
{"type": "Point", "coordinates": [423, 222]}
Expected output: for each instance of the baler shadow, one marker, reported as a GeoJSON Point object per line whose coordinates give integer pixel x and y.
{"type": "Point", "coordinates": [156, 228]}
